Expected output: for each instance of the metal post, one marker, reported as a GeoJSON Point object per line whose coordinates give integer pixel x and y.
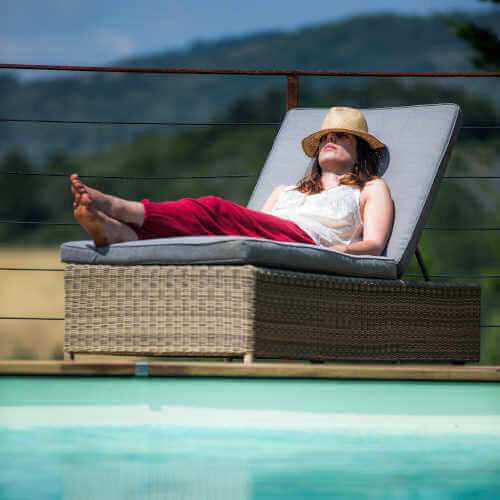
{"type": "Point", "coordinates": [421, 264]}
{"type": "Point", "coordinates": [292, 92]}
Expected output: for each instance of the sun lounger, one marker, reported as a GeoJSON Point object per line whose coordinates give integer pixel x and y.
{"type": "Point", "coordinates": [253, 298]}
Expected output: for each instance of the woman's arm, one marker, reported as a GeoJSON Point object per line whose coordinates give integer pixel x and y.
{"type": "Point", "coordinates": [271, 201]}
{"type": "Point", "coordinates": [377, 221]}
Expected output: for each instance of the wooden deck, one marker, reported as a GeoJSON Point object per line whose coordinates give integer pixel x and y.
{"type": "Point", "coordinates": [471, 373]}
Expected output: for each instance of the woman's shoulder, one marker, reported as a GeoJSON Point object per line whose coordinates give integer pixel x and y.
{"type": "Point", "coordinates": [375, 187]}
{"type": "Point", "coordinates": [376, 181]}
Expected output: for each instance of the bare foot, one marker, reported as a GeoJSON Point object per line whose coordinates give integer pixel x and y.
{"type": "Point", "coordinates": [111, 211]}
{"type": "Point", "coordinates": [90, 219]}
{"type": "Point", "coordinates": [77, 188]}
{"type": "Point", "coordinates": [100, 200]}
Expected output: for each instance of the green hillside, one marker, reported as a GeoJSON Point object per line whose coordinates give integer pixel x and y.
{"type": "Point", "coordinates": [375, 43]}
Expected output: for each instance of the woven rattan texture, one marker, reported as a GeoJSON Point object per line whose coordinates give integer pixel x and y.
{"type": "Point", "coordinates": [233, 310]}
{"type": "Point", "coordinates": [175, 310]}
{"type": "Point", "coordinates": [305, 316]}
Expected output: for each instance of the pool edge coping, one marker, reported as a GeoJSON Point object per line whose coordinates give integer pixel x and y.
{"type": "Point", "coordinates": [438, 373]}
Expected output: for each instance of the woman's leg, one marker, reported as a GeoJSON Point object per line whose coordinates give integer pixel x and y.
{"type": "Point", "coordinates": [212, 216]}
{"type": "Point", "coordinates": [112, 220]}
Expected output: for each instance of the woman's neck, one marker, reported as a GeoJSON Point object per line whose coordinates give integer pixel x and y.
{"type": "Point", "coordinates": [332, 179]}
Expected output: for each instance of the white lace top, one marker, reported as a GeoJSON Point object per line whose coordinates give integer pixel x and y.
{"type": "Point", "coordinates": [329, 218]}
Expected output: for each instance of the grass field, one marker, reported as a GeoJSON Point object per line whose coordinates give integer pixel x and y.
{"type": "Point", "coordinates": [31, 294]}
{"type": "Point", "coordinates": [34, 294]}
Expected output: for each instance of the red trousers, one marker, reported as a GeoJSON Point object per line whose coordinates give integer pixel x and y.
{"type": "Point", "coordinates": [217, 217]}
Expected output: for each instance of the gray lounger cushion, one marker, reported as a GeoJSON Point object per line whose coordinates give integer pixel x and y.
{"type": "Point", "coordinates": [419, 140]}
{"type": "Point", "coordinates": [230, 250]}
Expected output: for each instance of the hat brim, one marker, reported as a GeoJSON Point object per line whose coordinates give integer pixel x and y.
{"type": "Point", "coordinates": [311, 142]}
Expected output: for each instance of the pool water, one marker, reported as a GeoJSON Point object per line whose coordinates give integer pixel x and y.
{"type": "Point", "coordinates": [241, 438]}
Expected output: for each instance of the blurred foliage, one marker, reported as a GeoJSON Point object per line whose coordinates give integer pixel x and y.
{"type": "Point", "coordinates": [483, 41]}
{"type": "Point", "coordinates": [22, 197]}
{"type": "Point", "coordinates": [230, 149]}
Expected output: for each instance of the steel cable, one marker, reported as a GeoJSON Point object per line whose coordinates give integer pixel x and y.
{"type": "Point", "coordinates": [31, 318]}
{"type": "Point", "coordinates": [31, 269]}
{"type": "Point", "coordinates": [165, 124]}
{"type": "Point", "coordinates": [136, 178]}
{"type": "Point", "coordinates": [430, 228]}
{"type": "Point", "coordinates": [62, 319]}
{"type": "Point", "coordinates": [199, 177]}
{"type": "Point", "coordinates": [180, 124]}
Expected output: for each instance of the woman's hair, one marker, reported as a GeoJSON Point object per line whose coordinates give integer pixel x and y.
{"type": "Point", "coordinates": [365, 169]}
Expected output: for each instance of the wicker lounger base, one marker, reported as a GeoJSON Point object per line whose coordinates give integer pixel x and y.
{"type": "Point", "coordinates": [245, 311]}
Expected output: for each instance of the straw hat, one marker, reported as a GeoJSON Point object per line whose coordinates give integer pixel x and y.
{"type": "Point", "coordinates": [341, 119]}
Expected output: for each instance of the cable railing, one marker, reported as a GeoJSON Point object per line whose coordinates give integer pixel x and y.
{"type": "Point", "coordinates": [428, 228]}
{"type": "Point", "coordinates": [292, 101]}
{"type": "Point", "coordinates": [162, 124]}
{"type": "Point", "coordinates": [136, 178]}
{"type": "Point", "coordinates": [180, 124]}
{"type": "Point", "coordinates": [292, 76]}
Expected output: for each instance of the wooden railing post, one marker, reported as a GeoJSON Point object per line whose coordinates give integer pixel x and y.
{"type": "Point", "coordinates": [292, 91]}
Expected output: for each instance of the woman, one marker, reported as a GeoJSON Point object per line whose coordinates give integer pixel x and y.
{"type": "Point", "coordinates": [340, 204]}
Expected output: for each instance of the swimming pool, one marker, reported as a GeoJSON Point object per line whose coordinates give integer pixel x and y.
{"type": "Point", "coordinates": [180, 438]}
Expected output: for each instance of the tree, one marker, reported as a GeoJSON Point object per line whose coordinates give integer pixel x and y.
{"type": "Point", "coordinates": [20, 195]}
{"type": "Point", "coordinates": [485, 43]}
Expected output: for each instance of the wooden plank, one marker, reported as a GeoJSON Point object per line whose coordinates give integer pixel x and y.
{"type": "Point", "coordinates": [66, 368]}
{"type": "Point", "coordinates": [295, 370]}
{"type": "Point", "coordinates": [474, 373]}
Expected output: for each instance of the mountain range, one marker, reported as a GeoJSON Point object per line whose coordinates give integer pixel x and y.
{"type": "Point", "coordinates": [366, 43]}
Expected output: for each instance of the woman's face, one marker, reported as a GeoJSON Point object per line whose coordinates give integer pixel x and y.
{"type": "Point", "coordinates": [338, 148]}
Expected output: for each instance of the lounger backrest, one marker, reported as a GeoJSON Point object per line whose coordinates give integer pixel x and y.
{"type": "Point", "coordinates": [419, 141]}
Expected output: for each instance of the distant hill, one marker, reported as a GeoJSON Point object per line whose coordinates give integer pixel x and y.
{"type": "Point", "coordinates": [368, 43]}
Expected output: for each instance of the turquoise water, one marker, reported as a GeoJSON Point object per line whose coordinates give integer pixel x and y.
{"type": "Point", "coordinates": [228, 438]}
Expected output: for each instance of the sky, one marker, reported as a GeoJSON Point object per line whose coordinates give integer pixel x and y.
{"type": "Point", "coordinates": [97, 32]}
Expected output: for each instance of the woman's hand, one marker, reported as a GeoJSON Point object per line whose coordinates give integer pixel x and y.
{"type": "Point", "coordinates": [339, 248]}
